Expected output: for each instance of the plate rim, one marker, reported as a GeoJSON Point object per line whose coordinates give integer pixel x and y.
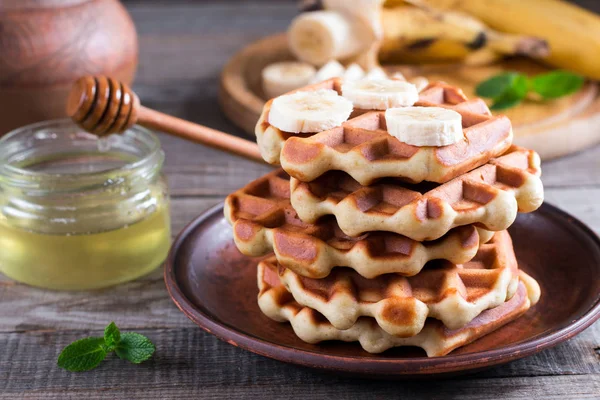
{"type": "Point", "coordinates": [410, 366]}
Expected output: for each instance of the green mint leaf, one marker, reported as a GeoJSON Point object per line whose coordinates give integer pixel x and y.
{"type": "Point", "coordinates": [496, 85]}
{"type": "Point", "coordinates": [556, 84]}
{"type": "Point", "coordinates": [112, 336]}
{"type": "Point", "coordinates": [502, 103]}
{"type": "Point", "coordinates": [513, 95]}
{"type": "Point", "coordinates": [134, 347]}
{"type": "Point", "coordinates": [83, 355]}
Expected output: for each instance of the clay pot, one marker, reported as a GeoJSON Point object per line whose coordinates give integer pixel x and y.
{"type": "Point", "coordinates": [45, 45]}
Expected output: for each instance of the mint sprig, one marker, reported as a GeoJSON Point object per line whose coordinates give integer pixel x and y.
{"type": "Point", "coordinates": [86, 354]}
{"type": "Point", "coordinates": [509, 89]}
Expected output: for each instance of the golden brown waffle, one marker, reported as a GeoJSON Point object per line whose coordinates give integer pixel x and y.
{"type": "Point", "coordinates": [488, 196]}
{"type": "Point", "coordinates": [264, 221]}
{"type": "Point", "coordinates": [453, 294]}
{"type": "Point", "coordinates": [271, 139]}
{"type": "Point", "coordinates": [363, 148]}
{"type": "Point", "coordinates": [310, 326]}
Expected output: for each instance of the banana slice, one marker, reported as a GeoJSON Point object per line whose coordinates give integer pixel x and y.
{"type": "Point", "coordinates": [420, 82]}
{"type": "Point", "coordinates": [354, 72]}
{"type": "Point", "coordinates": [332, 69]}
{"type": "Point", "coordinates": [283, 77]}
{"type": "Point", "coordinates": [398, 76]}
{"type": "Point", "coordinates": [424, 126]}
{"type": "Point", "coordinates": [309, 112]}
{"type": "Point", "coordinates": [376, 74]}
{"type": "Point", "coordinates": [380, 94]}
{"type": "Point", "coordinates": [320, 36]}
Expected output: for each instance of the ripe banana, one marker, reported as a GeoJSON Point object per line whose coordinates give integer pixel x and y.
{"type": "Point", "coordinates": [380, 94]}
{"type": "Point", "coordinates": [357, 29]}
{"type": "Point", "coordinates": [283, 77]}
{"type": "Point", "coordinates": [424, 126]}
{"type": "Point", "coordinates": [572, 32]}
{"type": "Point", "coordinates": [309, 112]}
{"type": "Point", "coordinates": [441, 51]}
{"type": "Point", "coordinates": [408, 27]}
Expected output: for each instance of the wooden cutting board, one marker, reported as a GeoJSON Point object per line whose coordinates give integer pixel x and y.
{"type": "Point", "coordinates": [553, 129]}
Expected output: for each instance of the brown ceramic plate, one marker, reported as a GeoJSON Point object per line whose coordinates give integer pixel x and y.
{"type": "Point", "coordinates": [215, 286]}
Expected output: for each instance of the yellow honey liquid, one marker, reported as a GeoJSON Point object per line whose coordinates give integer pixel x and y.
{"type": "Point", "coordinates": [85, 261]}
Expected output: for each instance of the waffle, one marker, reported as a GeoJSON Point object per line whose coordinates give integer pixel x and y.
{"type": "Point", "coordinates": [264, 221]}
{"type": "Point", "coordinates": [437, 340]}
{"type": "Point", "coordinates": [453, 294]}
{"type": "Point", "coordinates": [271, 139]}
{"type": "Point", "coordinates": [363, 148]}
{"type": "Point", "coordinates": [488, 196]}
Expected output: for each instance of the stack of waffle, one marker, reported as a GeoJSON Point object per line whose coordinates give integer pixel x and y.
{"type": "Point", "coordinates": [365, 238]}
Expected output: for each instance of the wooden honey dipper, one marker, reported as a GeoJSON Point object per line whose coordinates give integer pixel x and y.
{"type": "Point", "coordinates": [103, 105]}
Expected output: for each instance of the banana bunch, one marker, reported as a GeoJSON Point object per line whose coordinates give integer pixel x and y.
{"type": "Point", "coordinates": [364, 30]}
{"type": "Point", "coordinates": [572, 33]}
{"type": "Point", "coordinates": [474, 32]}
{"type": "Point", "coordinates": [417, 33]}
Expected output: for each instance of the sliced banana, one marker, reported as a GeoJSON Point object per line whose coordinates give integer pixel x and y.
{"type": "Point", "coordinates": [283, 77]}
{"type": "Point", "coordinates": [354, 72]}
{"type": "Point", "coordinates": [308, 112]}
{"type": "Point", "coordinates": [420, 82]}
{"type": "Point", "coordinates": [380, 94]}
{"type": "Point", "coordinates": [424, 126]}
{"type": "Point", "coordinates": [320, 36]}
{"type": "Point", "coordinates": [376, 74]}
{"type": "Point", "coordinates": [332, 69]}
{"type": "Point", "coordinates": [398, 76]}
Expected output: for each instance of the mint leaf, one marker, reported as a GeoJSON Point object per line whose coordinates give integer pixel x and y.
{"type": "Point", "coordinates": [135, 347]}
{"type": "Point", "coordinates": [505, 102]}
{"type": "Point", "coordinates": [496, 85]}
{"type": "Point", "coordinates": [82, 355]}
{"type": "Point", "coordinates": [112, 336]}
{"type": "Point", "coordinates": [513, 95]}
{"type": "Point", "coordinates": [556, 84]}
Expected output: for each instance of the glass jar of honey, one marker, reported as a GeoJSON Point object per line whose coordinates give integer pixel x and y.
{"type": "Point", "coordinates": [80, 212]}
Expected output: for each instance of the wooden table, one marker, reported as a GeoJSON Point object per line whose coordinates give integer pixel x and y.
{"type": "Point", "coordinates": [183, 47]}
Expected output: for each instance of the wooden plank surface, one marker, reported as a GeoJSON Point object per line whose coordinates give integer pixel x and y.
{"type": "Point", "coordinates": [183, 46]}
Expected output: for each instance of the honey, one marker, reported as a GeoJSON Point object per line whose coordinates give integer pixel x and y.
{"type": "Point", "coordinates": [78, 212]}
{"type": "Point", "coordinates": [85, 261]}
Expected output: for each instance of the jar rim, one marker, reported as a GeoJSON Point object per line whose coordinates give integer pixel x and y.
{"type": "Point", "coordinates": [154, 148]}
